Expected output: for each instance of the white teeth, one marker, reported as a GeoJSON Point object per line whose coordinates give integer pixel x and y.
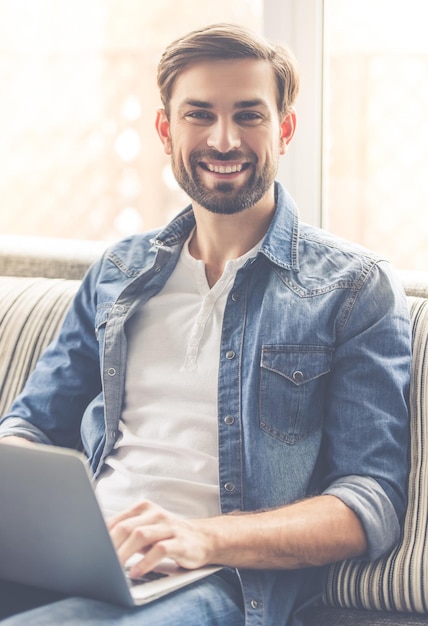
{"type": "Point", "coordinates": [224, 169]}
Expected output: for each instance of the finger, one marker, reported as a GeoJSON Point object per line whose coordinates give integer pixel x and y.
{"type": "Point", "coordinates": [139, 539]}
{"type": "Point", "coordinates": [124, 527]}
{"type": "Point", "coordinates": [151, 559]}
{"type": "Point", "coordinates": [145, 514]}
{"type": "Point", "coordinates": [134, 511]}
{"type": "Point", "coordinates": [185, 553]}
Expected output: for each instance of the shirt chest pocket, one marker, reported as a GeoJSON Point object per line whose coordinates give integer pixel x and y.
{"type": "Point", "coordinates": [293, 383]}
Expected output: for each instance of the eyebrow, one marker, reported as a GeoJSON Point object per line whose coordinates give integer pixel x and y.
{"type": "Point", "coordinates": [242, 104]}
{"type": "Point", "coordinates": [249, 104]}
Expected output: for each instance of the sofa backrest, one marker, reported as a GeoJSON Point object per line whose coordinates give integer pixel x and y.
{"type": "Point", "coordinates": [47, 257]}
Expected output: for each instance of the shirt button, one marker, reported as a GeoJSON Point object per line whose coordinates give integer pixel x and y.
{"type": "Point", "coordinates": [157, 269]}
{"type": "Point", "coordinates": [254, 604]}
{"type": "Point", "coordinates": [230, 354]}
{"type": "Point", "coordinates": [298, 376]}
{"type": "Point", "coordinates": [229, 419]}
{"type": "Point", "coordinates": [229, 487]}
{"type": "Point", "coordinates": [235, 297]}
{"type": "Point", "coordinates": [120, 308]}
{"type": "Point", "coordinates": [111, 371]}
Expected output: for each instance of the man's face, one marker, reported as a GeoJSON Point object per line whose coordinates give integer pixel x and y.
{"type": "Point", "coordinates": [224, 134]}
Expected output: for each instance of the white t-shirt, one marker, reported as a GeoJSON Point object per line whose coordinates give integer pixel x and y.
{"type": "Point", "coordinates": [167, 447]}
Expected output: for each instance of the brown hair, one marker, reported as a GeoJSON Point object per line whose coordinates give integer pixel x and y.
{"type": "Point", "coordinates": [228, 41]}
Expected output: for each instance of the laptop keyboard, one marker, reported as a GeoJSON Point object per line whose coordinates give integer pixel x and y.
{"type": "Point", "coordinates": [150, 576]}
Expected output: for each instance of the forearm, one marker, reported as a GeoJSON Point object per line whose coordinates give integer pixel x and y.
{"type": "Point", "coordinates": [311, 532]}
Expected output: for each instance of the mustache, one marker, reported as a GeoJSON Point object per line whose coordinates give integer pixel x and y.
{"type": "Point", "coordinates": [213, 155]}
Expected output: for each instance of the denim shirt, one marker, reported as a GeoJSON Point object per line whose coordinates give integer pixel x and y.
{"type": "Point", "coordinates": [313, 380]}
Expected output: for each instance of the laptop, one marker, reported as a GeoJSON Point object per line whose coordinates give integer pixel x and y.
{"type": "Point", "coordinates": [53, 534]}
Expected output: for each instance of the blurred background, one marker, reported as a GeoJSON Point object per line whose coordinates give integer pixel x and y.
{"type": "Point", "coordinates": [80, 158]}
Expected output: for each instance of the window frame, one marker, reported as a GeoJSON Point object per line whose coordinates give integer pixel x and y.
{"type": "Point", "coordinates": [300, 25]}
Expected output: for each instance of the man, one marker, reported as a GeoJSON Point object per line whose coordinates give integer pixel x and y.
{"type": "Point", "coordinates": [242, 378]}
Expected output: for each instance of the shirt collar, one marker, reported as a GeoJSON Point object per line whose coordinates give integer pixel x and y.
{"type": "Point", "coordinates": [280, 244]}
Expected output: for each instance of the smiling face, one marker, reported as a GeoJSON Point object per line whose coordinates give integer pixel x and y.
{"type": "Point", "coordinates": [224, 134]}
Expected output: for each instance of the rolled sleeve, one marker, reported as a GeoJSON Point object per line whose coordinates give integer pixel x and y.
{"type": "Point", "coordinates": [373, 507]}
{"type": "Point", "coordinates": [17, 427]}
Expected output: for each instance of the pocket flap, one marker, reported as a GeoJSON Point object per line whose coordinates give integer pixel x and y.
{"type": "Point", "coordinates": [299, 364]}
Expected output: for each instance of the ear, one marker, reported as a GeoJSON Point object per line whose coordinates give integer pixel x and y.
{"type": "Point", "coordinates": [162, 126]}
{"type": "Point", "coordinates": [288, 126]}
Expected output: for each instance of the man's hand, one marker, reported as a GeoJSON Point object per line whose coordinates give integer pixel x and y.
{"type": "Point", "coordinates": [17, 441]}
{"type": "Point", "coordinates": [150, 530]}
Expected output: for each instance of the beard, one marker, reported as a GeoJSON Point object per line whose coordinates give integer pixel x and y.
{"type": "Point", "coordinates": [224, 198]}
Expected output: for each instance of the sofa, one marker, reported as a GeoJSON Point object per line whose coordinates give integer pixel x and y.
{"type": "Point", "coordinates": [38, 279]}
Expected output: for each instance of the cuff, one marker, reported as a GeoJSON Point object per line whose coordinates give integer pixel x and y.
{"type": "Point", "coordinates": [19, 427]}
{"type": "Point", "coordinates": [369, 501]}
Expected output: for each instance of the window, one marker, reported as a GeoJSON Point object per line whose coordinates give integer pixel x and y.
{"type": "Point", "coordinates": [79, 154]}
{"type": "Point", "coordinates": [80, 157]}
{"type": "Point", "coordinates": [375, 154]}
{"type": "Point", "coordinates": [357, 164]}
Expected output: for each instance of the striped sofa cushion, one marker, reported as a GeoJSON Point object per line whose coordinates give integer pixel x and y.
{"type": "Point", "coordinates": [399, 580]}
{"type": "Point", "coordinates": [31, 311]}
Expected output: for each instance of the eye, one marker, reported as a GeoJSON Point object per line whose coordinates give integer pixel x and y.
{"type": "Point", "coordinates": [199, 117]}
{"type": "Point", "coordinates": [251, 118]}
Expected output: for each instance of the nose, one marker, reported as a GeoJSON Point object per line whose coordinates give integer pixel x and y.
{"type": "Point", "coordinates": [224, 136]}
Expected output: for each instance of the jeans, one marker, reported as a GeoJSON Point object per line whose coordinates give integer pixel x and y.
{"type": "Point", "coordinates": [214, 601]}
